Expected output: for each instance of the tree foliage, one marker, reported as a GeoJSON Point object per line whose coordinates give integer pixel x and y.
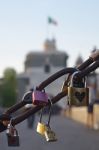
{"type": "Point", "coordinates": [9, 88]}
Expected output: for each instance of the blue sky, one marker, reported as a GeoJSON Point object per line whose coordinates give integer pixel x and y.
{"type": "Point", "coordinates": [23, 28]}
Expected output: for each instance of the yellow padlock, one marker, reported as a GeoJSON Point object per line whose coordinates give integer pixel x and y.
{"type": "Point", "coordinates": [41, 128]}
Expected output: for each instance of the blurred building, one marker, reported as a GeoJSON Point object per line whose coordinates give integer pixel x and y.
{"type": "Point", "coordinates": [40, 65]}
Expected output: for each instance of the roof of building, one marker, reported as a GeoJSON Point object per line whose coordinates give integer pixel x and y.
{"type": "Point", "coordinates": [37, 59]}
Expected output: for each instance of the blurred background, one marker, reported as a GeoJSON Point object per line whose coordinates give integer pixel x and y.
{"type": "Point", "coordinates": [39, 38]}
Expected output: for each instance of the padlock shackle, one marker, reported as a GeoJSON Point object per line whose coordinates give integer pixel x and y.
{"type": "Point", "coordinates": [72, 77]}
{"type": "Point", "coordinates": [16, 132]}
{"type": "Point", "coordinates": [49, 115]}
{"type": "Point", "coordinates": [41, 114]}
{"type": "Point", "coordinates": [10, 123]}
{"type": "Point", "coordinates": [50, 111]}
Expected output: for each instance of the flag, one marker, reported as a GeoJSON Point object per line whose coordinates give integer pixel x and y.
{"type": "Point", "coordinates": [52, 21]}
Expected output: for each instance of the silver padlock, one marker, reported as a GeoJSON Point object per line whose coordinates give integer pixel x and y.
{"type": "Point", "coordinates": [10, 130]}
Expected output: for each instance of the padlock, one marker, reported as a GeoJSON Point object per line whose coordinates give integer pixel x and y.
{"type": "Point", "coordinates": [39, 98]}
{"type": "Point", "coordinates": [41, 126]}
{"type": "Point", "coordinates": [50, 135]}
{"type": "Point", "coordinates": [12, 136]}
{"type": "Point", "coordinates": [78, 93]}
{"type": "Point", "coordinates": [13, 140]}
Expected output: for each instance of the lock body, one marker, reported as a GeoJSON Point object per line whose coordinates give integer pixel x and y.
{"type": "Point", "coordinates": [13, 137]}
{"type": "Point", "coordinates": [41, 128]}
{"type": "Point", "coordinates": [78, 96]}
{"type": "Point", "coordinates": [50, 135]}
{"type": "Point", "coordinates": [78, 93]}
{"type": "Point", "coordinates": [13, 140]}
{"type": "Point", "coordinates": [39, 98]}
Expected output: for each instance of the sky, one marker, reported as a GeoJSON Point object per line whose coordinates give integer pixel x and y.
{"type": "Point", "coordinates": [24, 28]}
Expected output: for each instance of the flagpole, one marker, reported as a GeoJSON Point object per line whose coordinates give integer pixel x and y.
{"type": "Point", "coordinates": [49, 21]}
{"type": "Point", "coordinates": [47, 29]}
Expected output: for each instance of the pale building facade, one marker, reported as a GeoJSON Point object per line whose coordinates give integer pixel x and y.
{"type": "Point", "coordinates": [40, 65]}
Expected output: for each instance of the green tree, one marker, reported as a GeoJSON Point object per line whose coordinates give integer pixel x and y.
{"type": "Point", "coordinates": [9, 87]}
{"type": "Point", "coordinates": [0, 94]}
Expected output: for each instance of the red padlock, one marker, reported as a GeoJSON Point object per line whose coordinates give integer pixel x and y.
{"type": "Point", "coordinates": [39, 98]}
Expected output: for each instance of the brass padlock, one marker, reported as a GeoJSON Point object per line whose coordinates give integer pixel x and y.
{"type": "Point", "coordinates": [41, 126]}
{"type": "Point", "coordinates": [50, 135]}
{"type": "Point", "coordinates": [78, 93]}
{"type": "Point", "coordinates": [12, 136]}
